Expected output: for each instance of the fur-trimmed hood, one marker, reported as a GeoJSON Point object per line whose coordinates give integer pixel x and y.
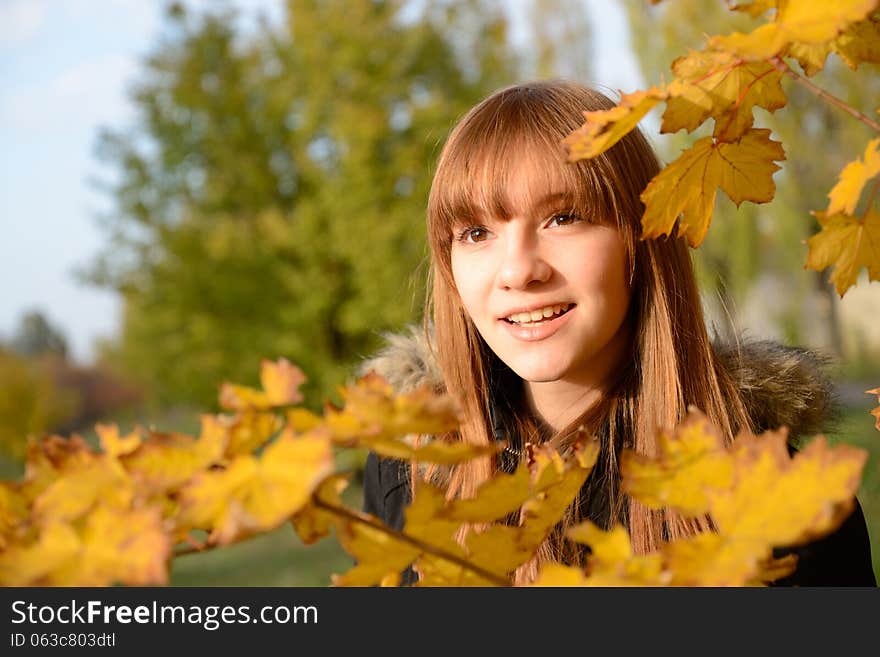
{"type": "Point", "coordinates": [780, 385]}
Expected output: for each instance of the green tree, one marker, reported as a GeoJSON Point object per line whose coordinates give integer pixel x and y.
{"type": "Point", "coordinates": [270, 198]}
{"type": "Point", "coordinates": [819, 140]}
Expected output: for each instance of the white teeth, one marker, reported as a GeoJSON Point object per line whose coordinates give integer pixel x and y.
{"type": "Point", "coordinates": [538, 315]}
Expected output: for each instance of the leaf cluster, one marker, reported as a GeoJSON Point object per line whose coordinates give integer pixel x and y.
{"type": "Point", "coordinates": [121, 513]}
{"type": "Point", "coordinates": [724, 82]}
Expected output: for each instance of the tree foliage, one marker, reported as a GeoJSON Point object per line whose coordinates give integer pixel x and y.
{"type": "Point", "coordinates": [269, 199]}
{"type": "Point", "coordinates": [751, 243]}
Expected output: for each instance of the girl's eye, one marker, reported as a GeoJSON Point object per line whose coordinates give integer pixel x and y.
{"type": "Point", "coordinates": [564, 219]}
{"type": "Point", "coordinates": [473, 234]}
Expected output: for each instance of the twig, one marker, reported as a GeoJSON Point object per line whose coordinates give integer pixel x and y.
{"type": "Point", "coordinates": [405, 538]}
{"type": "Point", "coordinates": [780, 65]}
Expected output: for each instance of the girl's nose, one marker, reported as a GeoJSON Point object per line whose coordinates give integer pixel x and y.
{"type": "Point", "coordinates": [523, 265]}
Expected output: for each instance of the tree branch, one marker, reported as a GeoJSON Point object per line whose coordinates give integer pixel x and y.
{"type": "Point", "coordinates": [363, 518]}
{"type": "Point", "coordinates": [780, 65]}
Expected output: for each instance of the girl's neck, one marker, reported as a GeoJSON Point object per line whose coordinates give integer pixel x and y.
{"type": "Point", "coordinates": [558, 403]}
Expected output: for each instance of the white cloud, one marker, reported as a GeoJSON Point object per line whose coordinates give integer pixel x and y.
{"type": "Point", "coordinates": [20, 20]}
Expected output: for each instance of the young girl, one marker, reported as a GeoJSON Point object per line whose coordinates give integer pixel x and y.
{"type": "Point", "coordinates": [548, 312]}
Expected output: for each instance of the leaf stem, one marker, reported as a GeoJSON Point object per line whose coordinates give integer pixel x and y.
{"type": "Point", "coordinates": [364, 519]}
{"type": "Point", "coordinates": [780, 65]}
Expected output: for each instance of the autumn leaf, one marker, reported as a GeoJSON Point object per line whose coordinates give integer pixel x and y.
{"type": "Point", "coordinates": [257, 494]}
{"type": "Point", "coordinates": [604, 128]}
{"type": "Point", "coordinates": [875, 412]}
{"type": "Point", "coordinates": [844, 196]}
{"type": "Point", "coordinates": [79, 486]}
{"type": "Point", "coordinates": [781, 500]}
{"type": "Point", "coordinates": [691, 461]}
{"type": "Point", "coordinates": [687, 186]}
{"type": "Point", "coordinates": [14, 512]}
{"type": "Point", "coordinates": [248, 430]}
{"type": "Point", "coordinates": [801, 21]}
{"type": "Point", "coordinates": [860, 43]}
{"type": "Point", "coordinates": [119, 546]}
{"type": "Point", "coordinates": [376, 418]}
{"type": "Point", "coordinates": [31, 564]}
{"type": "Point", "coordinates": [811, 56]}
{"type": "Point", "coordinates": [710, 559]}
{"type": "Point", "coordinates": [311, 522]}
{"type": "Point", "coordinates": [612, 561]}
{"type": "Point", "coordinates": [115, 545]}
{"type": "Point", "coordinates": [554, 574]}
{"type": "Point", "coordinates": [847, 243]}
{"type": "Point", "coordinates": [114, 444]}
{"type": "Point", "coordinates": [168, 460]}
{"type": "Point", "coordinates": [719, 85]}
{"type": "Point", "coordinates": [280, 380]}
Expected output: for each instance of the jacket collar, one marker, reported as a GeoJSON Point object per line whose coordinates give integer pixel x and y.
{"type": "Point", "coordinates": [780, 385]}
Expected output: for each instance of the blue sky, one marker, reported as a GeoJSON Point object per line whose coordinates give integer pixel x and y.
{"type": "Point", "coordinates": [64, 66]}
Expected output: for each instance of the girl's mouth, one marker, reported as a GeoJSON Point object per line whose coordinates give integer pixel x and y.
{"type": "Point", "coordinates": [538, 317]}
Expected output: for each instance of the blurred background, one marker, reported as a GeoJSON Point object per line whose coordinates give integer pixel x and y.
{"type": "Point", "coordinates": [188, 187]}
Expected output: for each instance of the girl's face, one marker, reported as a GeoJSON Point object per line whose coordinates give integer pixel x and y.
{"type": "Point", "coordinates": [546, 288]}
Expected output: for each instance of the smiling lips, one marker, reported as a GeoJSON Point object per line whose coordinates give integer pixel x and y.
{"type": "Point", "coordinates": [540, 328]}
{"type": "Point", "coordinates": [537, 316]}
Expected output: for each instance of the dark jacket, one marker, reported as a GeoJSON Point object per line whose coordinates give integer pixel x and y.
{"type": "Point", "coordinates": [780, 385]}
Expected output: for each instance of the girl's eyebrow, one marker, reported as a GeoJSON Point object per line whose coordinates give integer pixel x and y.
{"type": "Point", "coordinates": [552, 200]}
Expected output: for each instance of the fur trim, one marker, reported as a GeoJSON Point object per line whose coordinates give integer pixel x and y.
{"type": "Point", "coordinates": [781, 386]}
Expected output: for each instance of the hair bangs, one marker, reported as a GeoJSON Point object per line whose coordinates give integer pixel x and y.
{"type": "Point", "coordinates": [472, 180]}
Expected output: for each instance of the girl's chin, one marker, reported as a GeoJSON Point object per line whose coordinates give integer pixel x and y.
{"type": "Point", "coordinates": [541, 374]}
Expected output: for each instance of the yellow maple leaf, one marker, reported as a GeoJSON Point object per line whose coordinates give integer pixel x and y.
{"type": "Point", "coordinates": [495, 498]}
{"type": "Point", "coordinates": [79, 486]}
{"type": "Point", "coordinates": [875, 412]}
{"type": "Point", "coordinates": [612, 561]}
{"type": "Point", "coordinates": [847, 243]}
{"type": "Point", "coordinates": [860, 43]}
{"type": "Point", "coordinates": [257, 494]}
{"type": "Point", "coordinates": [45, 458]}
{"type": "Point", "coordinates": [168, 460]}
{"type": "Point", "coordinates": [31, 564]}
{"type": "Point", "coordinates": [376, 418]}
{"type": "Point", "coordinates": [709, 559]}
{"type": "Point", "coordinates": [779, 500]}
{"type": "Point", "coordinates": [811, 56]}
{"type": "Point", "coordinates": [555, 574]}
{"type": "Point", "coordinates": [248, 430]}
{"type": "Point", "coordinates": [604, 128]}
{"type": "Point", "coordinates": [720, 85]}
{"type": "Point", "coordinates": [844, 196]}
{"type": "Point", "coordinates": [371, 400]}
{"type": "Point", "coordinates": [125, 546]}
{"type": "Point", "coordinates": [802, 21]}
{"type": "Point", "coordinates": [280, 380]}
{"type": "Point", "coordinates": [687, 187]}
{"type": "Point", "coordinates": [691, 461]}
{"type": "Point", "coordinates": [115, 445]}
{"type": "Point", "coordinates": [312, 522]}
{"type": "Point", "coordinates": [14, 512]}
